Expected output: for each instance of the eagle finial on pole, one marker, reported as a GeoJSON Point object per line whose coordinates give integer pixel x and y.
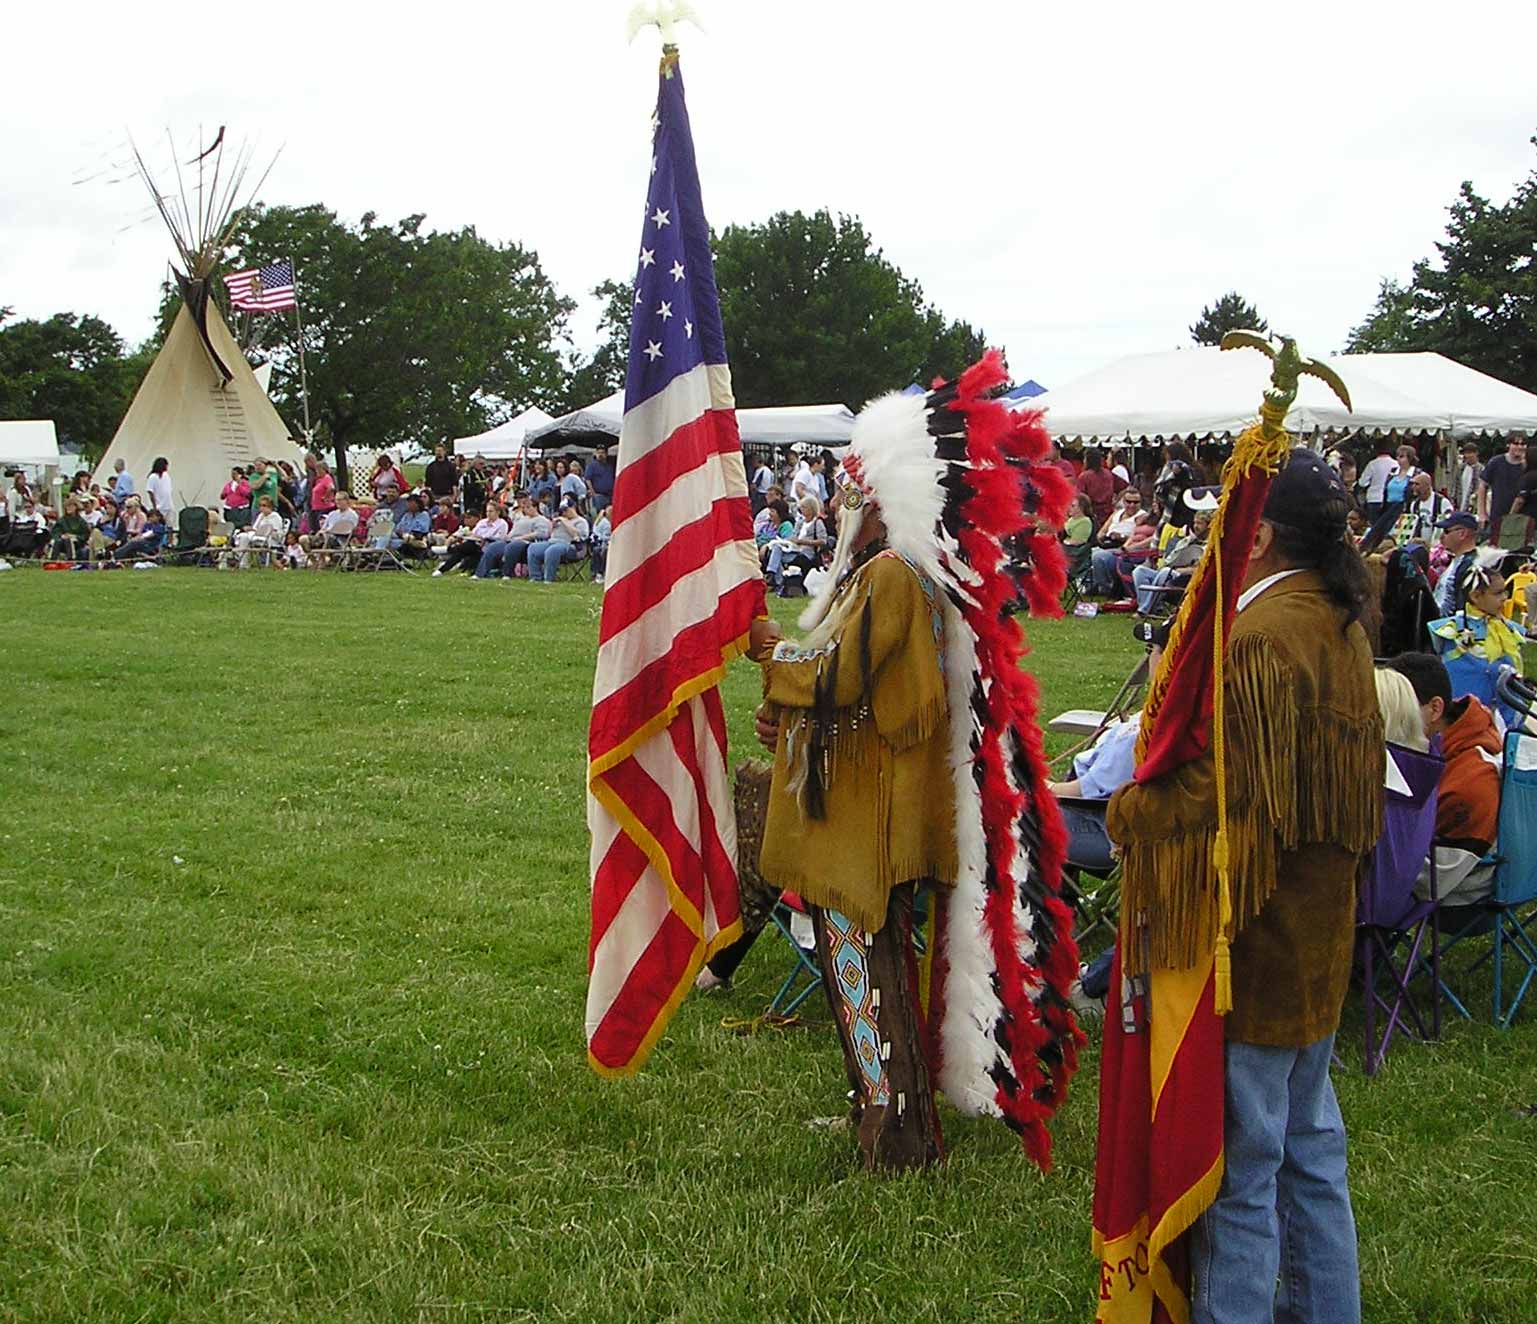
{"type": "Point", "coordinates": [664, 16]}
{"type": "Point", "coordinates": [1290, 367]}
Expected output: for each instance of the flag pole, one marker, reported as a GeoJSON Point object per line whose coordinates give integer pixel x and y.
{"type": "Point", "coordinates": [304, 382]}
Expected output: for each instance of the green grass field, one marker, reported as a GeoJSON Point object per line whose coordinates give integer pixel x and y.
{"type": "Point", "coordinates": [293, 919]}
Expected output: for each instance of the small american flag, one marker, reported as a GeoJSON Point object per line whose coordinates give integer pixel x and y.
{"type": "Point", "coordinates": [683, 587]}
{"type": "Point", "coordinates": [268, 289]}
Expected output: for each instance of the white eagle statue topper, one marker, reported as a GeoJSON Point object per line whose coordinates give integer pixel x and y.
{"type": "Point", "coordinates": [664, 15]}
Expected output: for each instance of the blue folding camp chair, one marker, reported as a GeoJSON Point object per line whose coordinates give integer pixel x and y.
{"type": "Point", "coordinates": [1509, 913]}
{"type": "Point", "coordinates": [804, 977]}
{"type": "Point", "coordinates": [1391, 922]}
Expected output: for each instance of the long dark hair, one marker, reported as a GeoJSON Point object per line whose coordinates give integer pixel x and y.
{"type": "Point", "coordinates": [1346, 579]}
{"type": "Point", "coordinates": [160, 465]}
{"type": "Point", "coordinates": [1093, 458]}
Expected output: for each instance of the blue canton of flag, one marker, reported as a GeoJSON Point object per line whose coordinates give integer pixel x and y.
{"type": "Point", "coordinates": [675, 323]}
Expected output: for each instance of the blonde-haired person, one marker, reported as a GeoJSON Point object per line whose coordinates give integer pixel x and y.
{"type": "Point", "coordinates": [1402, 722]}
{"type": "Point", "coordinates": [802, 550]}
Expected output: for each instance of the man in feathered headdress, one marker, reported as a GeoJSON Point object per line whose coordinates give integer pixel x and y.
{"type": "Point", "coordinates": [908, 774]}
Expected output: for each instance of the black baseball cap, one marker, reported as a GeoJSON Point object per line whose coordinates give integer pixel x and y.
{"type": "Point", "coordinates": [1308, 495]}
{"type": "Point", "coordinates": [1459, 519]}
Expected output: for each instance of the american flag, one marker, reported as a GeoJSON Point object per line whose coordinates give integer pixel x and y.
{"type": "Point", "coordinates": [268, 289]}
{"type": "Point", "coordinates": [683, 586]}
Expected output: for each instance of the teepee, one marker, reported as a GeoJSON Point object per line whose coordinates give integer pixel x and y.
{"type": "Point", "coordinates": [200, 404]}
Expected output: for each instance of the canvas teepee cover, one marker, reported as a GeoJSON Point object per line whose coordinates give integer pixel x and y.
{"type": "Point", "coordinates": [202, 424]}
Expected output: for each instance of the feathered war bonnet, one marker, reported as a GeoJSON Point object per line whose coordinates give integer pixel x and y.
{"type": "Point", "coordinates": [963, 488]}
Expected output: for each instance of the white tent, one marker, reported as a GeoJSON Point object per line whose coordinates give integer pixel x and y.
{"type": "Point", "coordinates": [505, 440]}
{"type": "Point", "coordinates": [203, 425]}
{"type": "Point", "coordinates": [32, 442]}
{"type": "Point", "coordinates": [1202, 392]}
{"type": "Point", "coordinates": [826, 425]}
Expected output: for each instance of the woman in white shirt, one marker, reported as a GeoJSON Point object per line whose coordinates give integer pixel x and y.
{"type": "Point", "coordinates": [158, 487]}
{"type": "Point", "coordinates": [266, 531]}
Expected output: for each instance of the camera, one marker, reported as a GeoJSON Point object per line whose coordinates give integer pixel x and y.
{"type": "Point", "coordinates": [1154, 634]}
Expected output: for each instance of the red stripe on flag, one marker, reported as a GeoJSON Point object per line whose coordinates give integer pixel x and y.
{"type": "Point", "coordinates": [621, 868]}
{"type": "Point", "coordinates": [695, 651]}
{"type": "Point", "coordinates": [643, 998]}
{"type": "Point", "coordinates": [719, 871]}
{"type": "Point", "coordinates": [689, 549]}
{"type": "Point", "coordinates": [642, 481]}
{"type": "Point", "coordinates": [650, 804]}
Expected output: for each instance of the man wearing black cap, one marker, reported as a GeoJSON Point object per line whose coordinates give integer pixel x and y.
{"type": "Point", "coordinates": [1459, 536]}
{"type": "Point", "coordinates": [1304, 767]}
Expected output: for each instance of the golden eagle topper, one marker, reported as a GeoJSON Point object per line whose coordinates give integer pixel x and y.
{"type": "Point", "coordinates": [1290, 367]}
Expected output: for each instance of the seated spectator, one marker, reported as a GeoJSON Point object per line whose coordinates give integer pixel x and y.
{"type": "Point", "coordinates": [295, 557]}
{"type": "Point", "coordinates": [567, 542]}
{"type": "Point", "coordinates": [602, 530]}
{"type": "Point", "coordinates": [147, 543]}
{"type": "Point", "coordinates": [1408, 606]}
{"type": "Point", "coordinates": [1468, 803]}
{"type": "Point", "coordinates": [1175, 566]}
{"type": "Point", "coordinates": [505, 555]}
{"type": "Point", "coordinates": [543, 485]}
{"type": "Point", "coordinates": [445, 521]}
{"type": "Point", "coordinates": [1476, 642]}
{"type": "Point", "coordinates": [29, 528]}
{"type": "Point", "coordinates": [266, 531]}
{"type": "Point", "coordinates": [1129, 528]}
{"type": "Point", "coordinates": [235, 498]}
{"type": "Point", "coordinates": [802, 550]}
{"type": "Point", "coordinates": [412, 530]}
{"type": "Point", "coordinates": [1098, 773]}
{"type": "Point", "coordinates": [574, 486]}
{"type": "Point", "coordinates": [773, 521]}
{"type": "Point", "coordinates": [466, 546]}
{"type": "Point", "coordinates": [1079, 526]}
{"type": "Point", "coordinates": [71, 535]}
{"type": "Point", "coordinates": [131, 521]}
{"type": "Point", "coordinates": [336, 527]}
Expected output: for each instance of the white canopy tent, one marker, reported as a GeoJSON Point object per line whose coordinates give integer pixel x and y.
{"type": "Point", "coordinates": [822, 425]}
{"type": "Point", "coordinates": [1201, 392]}
{"type": "Point", "coordinates": [32, 442]}
{"type": "Point", "coordinates": [505, 441]}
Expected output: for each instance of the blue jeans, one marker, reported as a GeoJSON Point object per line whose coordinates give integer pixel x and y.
{"type": "Point", "coordinates": [491, 559]}
{"type": "Point", "coordinates": [1284, 1207]}
{"type": "Point", "coordinates": [545, 557]}
{"type": "Point", "coordinates": [1145, 578]}
{"type": "Point", "coordinates": [1102, 570]}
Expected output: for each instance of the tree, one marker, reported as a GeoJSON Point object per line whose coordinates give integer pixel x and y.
{"type": "Point", "coordinates": [72, 369]}
{"type": "Point", "coordinates": [409, 336]}
{"type": "Point", "coordinates": [815, 312]}
{"type": "Point", "coordinates": [593, 378]}
{"type": "Point", "coordinates": [1232, 312]}
{"type": "Point", "coordinates": [1477, 303]}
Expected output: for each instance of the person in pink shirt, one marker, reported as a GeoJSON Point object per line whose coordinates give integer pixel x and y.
{"type": "Point", "coordinates": [465, 547]}
{"type": "Point", "coordinates": [235, 497]}
{"type": "Point", "coordinates": [321, 497]}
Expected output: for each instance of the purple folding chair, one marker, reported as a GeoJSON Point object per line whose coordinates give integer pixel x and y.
{"type": "Point", "coordinates": [1390, 920]}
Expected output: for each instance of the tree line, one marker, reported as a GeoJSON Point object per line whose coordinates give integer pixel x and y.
{"type": "Point", "coordinates": [416, 335]}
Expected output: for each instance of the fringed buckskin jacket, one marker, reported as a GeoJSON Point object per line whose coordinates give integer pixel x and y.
{"type": "Point", "coordinates": [1305, 764]}
{"type": "Point", "coordinates": [862, 798]}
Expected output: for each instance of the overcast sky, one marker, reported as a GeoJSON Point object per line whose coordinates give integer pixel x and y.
{"type": "Point", "coordinates": [1077, 179]}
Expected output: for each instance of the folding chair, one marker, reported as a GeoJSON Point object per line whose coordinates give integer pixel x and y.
{"type": "Point", "coordinates": [1078, 559]}
{"type": "Point", "coordinates": [1389, 915]}
{"type": "Point", "coordinates": [191, 537]}
{"type": "Point", "coordinates": [803, 966]}
{"type": "Point", "coordinates": [575, 571]}
{"type": "Point", "coordinates": [1509, 913]}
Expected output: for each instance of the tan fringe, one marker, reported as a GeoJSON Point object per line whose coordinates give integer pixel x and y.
{"type": "Point", "coordinates": [924, 725]}
{"type": "Point", "coordinates": [1296, 777]}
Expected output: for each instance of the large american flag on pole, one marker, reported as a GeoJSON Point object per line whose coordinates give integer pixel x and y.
{"type": "Point", "coordinates": [268, 289]}
{"type": "Point", "coordinates": [682, 588]}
